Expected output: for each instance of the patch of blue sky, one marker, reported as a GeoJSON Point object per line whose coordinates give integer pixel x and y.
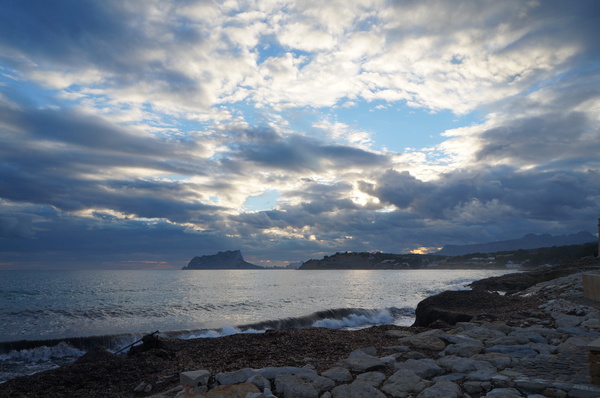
{"type": "Point", "coordinates": [264, 201]}
{"type": "Point", "coordinates": [396, 126]}
{"type": "Point", "coordinates": [27, 92]}
{"type": "Point", "coordinates": [269, 47]}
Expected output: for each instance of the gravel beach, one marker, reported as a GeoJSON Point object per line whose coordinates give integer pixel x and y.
{"type": "Point", "coordinates": [531, 343]}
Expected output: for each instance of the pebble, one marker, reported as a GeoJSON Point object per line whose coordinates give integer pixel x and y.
{"type": "Point", "coordinates": [473, 359]}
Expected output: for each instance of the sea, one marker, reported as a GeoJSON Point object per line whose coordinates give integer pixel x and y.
{"type": "Point", "coordinates": [50, 318]}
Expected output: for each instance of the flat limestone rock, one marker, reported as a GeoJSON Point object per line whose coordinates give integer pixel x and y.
{"type": "Point", "coordinates": [358, 389]}
{"type": "Point", "coordinates": [405, 383]}
{"type": "Point", "coordinates": [425, 342]}
{"type": "Point", "coordinates": [516, 351]}
{"type": "Point", "coordinates": [442, 389]}
{"type": "Point", "coordinates": [362, 363]}
{"type": "Point", "coordinates": [194, 378]}
{"type": "Point", "coordinates": [425, 368]}
{"type": "Point", "coordinates": [295, 386]}
{"type": "Point", "coordinates": [338, 374]}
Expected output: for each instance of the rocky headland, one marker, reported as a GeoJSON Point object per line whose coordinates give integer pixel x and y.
{"type": "Point", "coordinates": [227, 260]}
{"type": "Point", "coordinates": [531, 343]}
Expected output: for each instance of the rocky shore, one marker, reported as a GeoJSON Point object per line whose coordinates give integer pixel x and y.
{"type": "Point", "coordinates": [532, 343]}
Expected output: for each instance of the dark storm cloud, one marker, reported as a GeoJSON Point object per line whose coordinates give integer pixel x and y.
{"type": "Point", "coordinates": [74, 128]}
{"type": "Point", "coordinates": [49, 156]}
{"type": "Point", "coordinates": [16, 225]}
{"type": "Point", "coordinates": [69, 32]}
{"type": "Point", "coordinates": [302, 154]}
{"type": "Point", "coordinates": [63, 241]}
{"type": "Point", "coordinates": [547, 139]}
{"type": "Point", "coordinates": [112, 37]}
{"type": "Point", "coordinates": [557, 196]}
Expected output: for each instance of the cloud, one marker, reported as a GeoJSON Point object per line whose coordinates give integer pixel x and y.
{"type": "Point", "coordinates": [148, 125]}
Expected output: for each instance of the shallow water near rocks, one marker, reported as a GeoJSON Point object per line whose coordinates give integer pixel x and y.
{"type": "Point", "coordinates": [60, 314]}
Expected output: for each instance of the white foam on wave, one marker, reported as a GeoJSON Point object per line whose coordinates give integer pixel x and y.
{"type": "Point", "coordinates": [353, 321]}
{"type": "Point", "coordinates": [224, 331]}
{"type": "Point", "coordinates": [43, 353]}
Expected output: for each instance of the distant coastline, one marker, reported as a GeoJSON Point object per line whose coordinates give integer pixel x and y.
{"type": "Point", "coordinates": [515, 259]}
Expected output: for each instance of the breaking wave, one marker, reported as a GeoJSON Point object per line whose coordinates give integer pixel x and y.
{"type": "Point", "coordinates": [32, 356]}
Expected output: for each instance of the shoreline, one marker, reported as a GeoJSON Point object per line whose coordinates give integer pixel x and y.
{"type": "Point", "coordinates": [319, 350]}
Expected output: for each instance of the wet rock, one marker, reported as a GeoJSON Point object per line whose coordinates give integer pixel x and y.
{"type": "Point", "coordinates": [97, 354]}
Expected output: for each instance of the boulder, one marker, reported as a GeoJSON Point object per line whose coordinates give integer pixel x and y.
{"type": "Point", "coordinates": [339, 374]}
{"type": "Point", "coordinates": [499, 361]}
{"type": "Point", "coordinates": [293, 386]}
{"type": "Point", "coordinates": [302, 383]}
{"type": "Point", "coordinates": [362, 363]}
{"type": "Point", "coordinates": [358, 389]}
{"type": "Point", "coordinates": [272, 372]}
{"type": "Point", "coordinates": [259, 381]}
{"type": "Point", "coordinates": [457, 364]}
{"type": "Point", "coordinates": [194, 378]}
{"type": "Point", "coordinates": [466, 350]}
{"type": "Point", "coordinates": [372, 351]}
{"type": "Point", "coordinates": [424, 368]}
{"type": "Point", "coordinates": [459, 306]}
{"type": "Point", "coordinates": [425, 342]}
{"type": "Point", "coordinates": [566, 321]}
{"type": "Point", "coordinates": [503, 393]}
{"type": "Point", "coordinates": [529, 335]}
{"type": "Point", "coordinates": [232, 391]}
{"type": "Point", "coordinates": [441, 389]}
{"type": "Point", "coordinates": [483, 333]}
{"type": "Point", "coordinates": [97, 354]}
{"type": "Point", "coordinates": [405, 383]}
{"type": "Point", "coordinates": [374, 379]}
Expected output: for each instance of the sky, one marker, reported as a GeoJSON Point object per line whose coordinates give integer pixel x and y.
{"type": "Point", "coordinates": [138, 134]}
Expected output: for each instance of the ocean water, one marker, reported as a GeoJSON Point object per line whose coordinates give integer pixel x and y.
{"type": "Point", "coordinates": [49, 318]}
